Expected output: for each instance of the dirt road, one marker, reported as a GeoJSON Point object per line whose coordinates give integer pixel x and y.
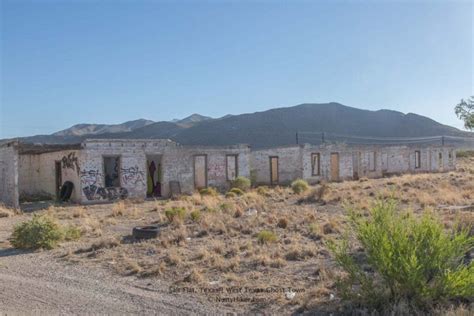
{"type": "Point", "coordinates": [40, 283]}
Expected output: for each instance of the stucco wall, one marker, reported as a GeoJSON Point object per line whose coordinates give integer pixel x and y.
{"type": "Point", "coordinates": [345, 162]}
{"type": "Point", "coordinates": [9, 176]}
{"type": "Point", "coordinates": [37, 175]}
{"type": "Point", "coordinates": [289, 164]}
{"type": "Point", "coordinates": [177, 164]}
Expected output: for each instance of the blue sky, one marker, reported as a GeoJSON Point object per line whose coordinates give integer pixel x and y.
{"type": "Point", "coordinates": [69, 62]}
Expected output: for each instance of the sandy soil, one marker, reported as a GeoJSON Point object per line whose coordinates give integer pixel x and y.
{"type": "Point", "coordinates": [42, 283]}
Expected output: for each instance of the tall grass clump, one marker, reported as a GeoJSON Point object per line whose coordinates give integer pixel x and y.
{"type": "Point", "coordinates": [410, 259]}
{"type": "Point", "coordinates": [175, 214]}
{"type": "Point", "coordinates": [41, 232]}
{"type": "Point", "coordinates": [299, 186]}
{"type": "Point", "coordinates": [208, 192]}
{"type": "Point", "coordinates": [241, 183]}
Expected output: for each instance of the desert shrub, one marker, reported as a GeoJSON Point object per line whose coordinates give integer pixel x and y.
{"type": "Point", "coordinates": [262, 190]}
{"type": "Point", "coordinates": [413, 259]}
{"type": "Point", "coordinates": [315, 195]}
{"type": "Point", "coordinates": [266, 236]}
{"type": "Point", "coordinates": [208, 191]}
{"type": "Point", "coordinates": [241, 183]}
{"type": "Point", "coordinates": [237, 191]}
{"type": "Point", "coordinates": [175, 213]}
{"type": "Point", "coordinates": [465, 153]}
{"type": "Point", "coordinates": [227, 207]}
{"type": "Point", "coordinates": [282, 223]}
{"type": "Point", "coordinates": [195, 216]}
{"type": "Point", "coordinates": [230, 195]}
{"type": "Point", "coordinates": [41, 232]}
{"type": "Point", "coordinates": [299, 186]}
{"type": "Point", "coordinates": [72, 233]}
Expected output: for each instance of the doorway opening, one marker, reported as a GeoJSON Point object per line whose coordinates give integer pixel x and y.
{"type": "Point", "coordinates": [154, 175]}
{"type": "Point", "coordinates": [58, 177]}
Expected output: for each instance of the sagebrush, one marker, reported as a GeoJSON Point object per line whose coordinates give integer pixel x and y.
{"type": "Point", "coordinates": [412, 259]}
{"type": "Point", "coordinates": [41, 232]}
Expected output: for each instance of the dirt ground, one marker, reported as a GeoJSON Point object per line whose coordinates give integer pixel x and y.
{"type": "Point", "coordinates": [262, 252]}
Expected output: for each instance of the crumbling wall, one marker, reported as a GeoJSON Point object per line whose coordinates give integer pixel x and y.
{"type": "Point", "coordinates": [37, 174]}
{"type": "Point", "coordinates": [178, 165]}
{"type": "Point", "coordinates": [289, 164]}
{"type": "Point", "coordinates": [132, 170]}
{"type": "Point", "coordinates": [9, 176]}
{"type": "Point", "coordinates": [325, 151]}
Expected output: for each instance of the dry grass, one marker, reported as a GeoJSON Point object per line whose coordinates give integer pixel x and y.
{"type": "Point", "coordinates": [222, 247]}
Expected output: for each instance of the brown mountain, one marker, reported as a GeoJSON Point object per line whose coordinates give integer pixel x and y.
{"type": "Point", "coordinates": [279, 126]}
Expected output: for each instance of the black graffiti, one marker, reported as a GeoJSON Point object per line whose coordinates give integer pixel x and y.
{"type": "Point", "coordinates": [133, 175]}
{"type": "Point", "coordinates": [93, 192]}
{"type": "Point", "coordinates": [70, 162]}
{"type": "Point", "coordinates": [90, 177]}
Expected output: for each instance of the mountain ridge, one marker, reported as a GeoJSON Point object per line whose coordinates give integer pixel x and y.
{"type": "Point", "coordinates": [273, 127]}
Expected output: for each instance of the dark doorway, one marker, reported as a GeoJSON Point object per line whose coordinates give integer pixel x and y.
{"type": "Point", "coordinates": [154, 175]}
{"type": "Point", "coordinates": [58, 177]}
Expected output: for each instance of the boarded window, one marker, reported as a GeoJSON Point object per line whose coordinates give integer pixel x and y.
{"type": "Point", "coordinates": [274, 170]}
{"type": "Point", "coordinates": [112, 171]}
{"type": "Point", "coordinates": [231, 167]}
{"type": "Point", "coordinates": [372, 161]}
{"type": "Point", "coordinates": [200, 171]}
{"type": "Point", "coordinates": [417, 159]}
{"type": "Point", "coordinates": [315, 164]}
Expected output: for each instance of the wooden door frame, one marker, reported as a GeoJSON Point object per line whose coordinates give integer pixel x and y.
{"type": "Point", "coordinates": [271, 170]}
{"type": "Point", "coordinates": [58, 177]}
{"type": "Point", "coordinates": [205, 169]}
{"type": "Point", "coordinates": [338, 166]}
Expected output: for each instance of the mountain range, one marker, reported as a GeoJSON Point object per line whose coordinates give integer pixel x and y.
{"type": "Point", "coordinates": [269, 128]}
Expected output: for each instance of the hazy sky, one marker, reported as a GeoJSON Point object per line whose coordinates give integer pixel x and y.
{"type": "Point", "coordinates": [69, 62]}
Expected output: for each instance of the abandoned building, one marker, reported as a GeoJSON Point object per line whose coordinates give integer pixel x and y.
{"type": "Point", "coordinates": [104, 170]}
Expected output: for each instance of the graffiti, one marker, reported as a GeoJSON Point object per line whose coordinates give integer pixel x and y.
{"type": "Point", "coordinates": [90, 177]}
{"type": "Point", "coordinates": [70, 162]}
{"type": "Point", "coordinates": [133, 175]}
{"type": "Point", "coordinates": [93, 192]}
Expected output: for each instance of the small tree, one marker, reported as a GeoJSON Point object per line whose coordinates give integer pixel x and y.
{"type": "Point", "coordinates": [465, 111]}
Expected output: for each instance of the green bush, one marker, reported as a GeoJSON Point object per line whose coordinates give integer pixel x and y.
{"type": "Point", "coordinates": [266, 236]}
{"type": "Point", "coordinates": [299, 186]}
{"type": "Point", "coordinates": [230, 195]}
{"type": "Point", "coordinates": [413, 259]}
{"type": "Point", "coordinates": [41, 232]}
{"type": "Point", "coordinates": [237, 191]}
{"type": "Point", "coordinates": [208, 191]}
{"type": "Point", "coordinates": [195, 216]}
{"type": "Point", "coordinates": [241, 183]}
{"type": "Point", "coordinates": [175, 213]}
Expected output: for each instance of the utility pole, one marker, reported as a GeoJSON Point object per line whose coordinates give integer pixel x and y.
{"type": "Point", "coordinates": [297, 140]}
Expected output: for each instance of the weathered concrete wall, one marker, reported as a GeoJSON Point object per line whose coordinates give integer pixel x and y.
{"type": "Point", "coordinates": [132, 170]}
{"type": "Point", "coordinates": [177, 164]}
{"type": "Point", "coordinates": [9, 176]}
{"type": "Point", "coordinates": [345, 162]}
{"type": "Point", "coordinates": [289, 164]}
{"type": "Point", "coordinates": [37, 175]}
